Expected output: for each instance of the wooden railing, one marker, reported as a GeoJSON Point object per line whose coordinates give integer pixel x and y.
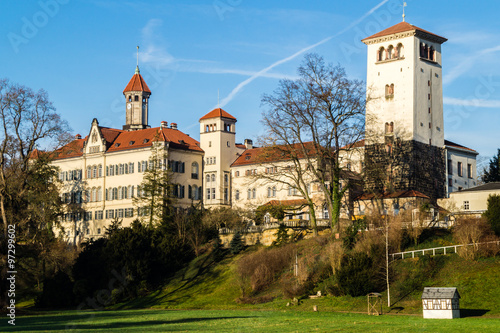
{"type": "Point", "coordinates": [435, 250]}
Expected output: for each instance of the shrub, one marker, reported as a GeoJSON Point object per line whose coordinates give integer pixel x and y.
{"type": "Point", "coordinates": [57, 292]}
{"type": "Point", "coordinates": [282, 236]}
{"type": "Point", "coordinates": [471, 231]}
{"type": "Point", "coordinates": [492, 214]}
{"type": "Point", "coordinates": [356, 276]}
{"type": "Point", "coordinates": [256, 271]}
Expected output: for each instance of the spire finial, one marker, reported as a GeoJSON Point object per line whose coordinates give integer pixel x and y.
{"type": "Point", "coordinates": [404, 5]}
{"type": "Point", "coordinates": [137, 68]}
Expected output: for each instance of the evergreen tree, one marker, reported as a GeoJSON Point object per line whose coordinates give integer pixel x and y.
{"type": "Point", "coordinates": [282, 236]}
{"type": "Point", "coordinates": [493, 173]}
{"type": "Point", "coordinates": [154, 196]}
{"type": "Point", "coordinates": [492, 214]}
{"type": "Point", "coordinates": [236, 245]}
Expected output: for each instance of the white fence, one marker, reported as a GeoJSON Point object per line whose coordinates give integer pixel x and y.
{"type": "Point", "coordinates": [435, 250]}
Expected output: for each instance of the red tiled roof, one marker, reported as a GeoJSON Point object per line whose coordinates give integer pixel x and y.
{"type": "Point", "coordinates": [240, 145]}
{"type": "Point", "coordinates": [215, 113]}
{"type": "Point", "coordinates": [269, 154]}
{"type": "Point", "coordinates": [357, 144]}
{"type": "Point", "coordinates": [119, 140]}
{"type": "Point", "coordinates": [137, 83]}
{"type": "Point", "coordinates": [397, 194]}
{"type": "Point", "coordinates": [72, 149]}
{"type": "Point", "coordinates": [402, 27]}
{"type": "Point", "coordinates": [456, 145]}
{"type": "Point", "coordinates": [293, 202]}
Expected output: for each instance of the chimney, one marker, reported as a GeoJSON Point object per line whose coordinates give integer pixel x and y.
{"type": "Point", "coordinates": [163, 124]}
{"type": "Point", "coordinates": [248, 144]}
{"type": "Point", "coordinates": [173, 125]}
{"type": "Point", "coordinates": [78, 137]}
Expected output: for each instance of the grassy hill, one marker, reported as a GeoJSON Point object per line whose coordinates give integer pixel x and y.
{"type": "Point", "coordinates": [205, 284]}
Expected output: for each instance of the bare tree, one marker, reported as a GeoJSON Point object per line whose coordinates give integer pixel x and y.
{"type": "Point", "coordinates": [29, 122]}
{"type": "Point", "coordinates": [326, 109]}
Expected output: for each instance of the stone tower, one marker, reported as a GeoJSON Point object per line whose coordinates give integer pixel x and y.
{"type": "Point", "coordinates": [137, 103]}
{"type": "Point", "coordinates": [404, 147]}
{"type": "Point", "coordinates": [217, 139]}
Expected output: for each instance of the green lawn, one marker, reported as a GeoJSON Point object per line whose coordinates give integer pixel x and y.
{"type": "Point", "coordinates": [290, 320]}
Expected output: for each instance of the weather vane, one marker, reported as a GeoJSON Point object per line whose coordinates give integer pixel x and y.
{"type": "Point", "coordinates": [404, 5]}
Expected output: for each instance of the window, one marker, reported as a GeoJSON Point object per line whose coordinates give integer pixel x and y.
{"type": "Point", "coordinates": [459, 169]}
{"type": "Point", "coordinates": [213, 193]}
{"type": "Point", "coordinates": [253, 193]}
{"type": "Point", "coordinates": [208, 194]}
{"type": "Point", "coordinates": [136, 98]}
{"type": "Point", "coordinates": [94, 171]}
{"type": "Point", "coordinates": [237, 195]}
{"type": "Point", "coordinates": [466, 205]}
{"type": "Point", "coordinates": [121, 169]}
{"type": "Point", "coordinates": [450, 167]}
{"type": "Point", "coordinates": [213, 177]}
{"type": "Point", "coordinates": [89, 172]}
{"type": "Point", "coordinates": [207, 179]}
{"type": "Point", "coordinates": [450, 181]}
{"type": "Point", "coordinates": [237, 174]}
{"type": "Point", "coordinates": [131, 167]}
{"type": "Point", "coordinates": [326, 214]}
{"type": "Point", "coordinates": [99, 171]}
{"type": "Point", "coordinates": [380, 54]}
{"type": "Point", "coordinates": [389, 90]}
{"type": "Point", "coordinates": [194, 170]}
{"type": "Point", "coordinates": [249, 194]}
{"type": "Point", "coordinates": [469, 171]}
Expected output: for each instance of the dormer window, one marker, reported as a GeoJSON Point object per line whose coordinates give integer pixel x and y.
{"type": "Point", "coordinates": [145, 141]}
{"type": "Point", "coordinates": [131, 143]}
{"type": "Point", "coordinates": [117, 145]}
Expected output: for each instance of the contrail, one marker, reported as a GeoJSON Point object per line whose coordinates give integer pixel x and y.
{"type": "Point", "coordinates": [260, 73]}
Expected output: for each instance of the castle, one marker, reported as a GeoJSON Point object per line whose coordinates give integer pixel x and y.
{"type": "Point", "coordinates": [102, 172]}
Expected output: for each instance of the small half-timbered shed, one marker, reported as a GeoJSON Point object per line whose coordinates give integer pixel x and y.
{"type": "Point", "coordinates": [440, 303]}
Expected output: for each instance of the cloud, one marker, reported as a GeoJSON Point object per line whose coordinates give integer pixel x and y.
{"type": "Point", "coordinates": [467, 63]}
{"type": "Point", "coordinates": [261, 73]}
{"type": "Point", "coordinates": [478, 103]}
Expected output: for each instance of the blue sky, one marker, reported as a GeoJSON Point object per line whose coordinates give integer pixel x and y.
{"type": "Point", "coordinates": [83, 53]}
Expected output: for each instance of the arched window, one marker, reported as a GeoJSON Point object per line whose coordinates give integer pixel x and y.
{"type": "Point", "coordinates": [213, 177]}
{"type": "Point", "coordinates": [269, 193]}
{"type": "Point", "coordinates": [99, 172]}
{"type": "Point", "coordinates": [119, 193]}
{"type": "Point", "coordinates": [115, 193]}
{"type": "Point", "coordinates": [207, 180]}
{"type": "Point", "coordinates": [130, 98]}
{"type": "Point", "coordinates": [237, 195]}
{"type": "Point", "coordinates": [99, 194]}
{"type": "Point", "coordinates": [390, 51]}
{"type": "Point", "coordinates": [89, 172]}
{"type": "Point", "coordinates": [136, 98]}
{"type": "Point", "coordinates": [253, 193]}
{"type": "Point", "coordinates": [195, 193]}
{"type": "Point", "coordinates": [93, 195]}
{"type": "Point", "coordinates": [432, 54]}
{"type": "Point", "coordinates": [267, 218]}
{"type": "Point", "coordinates": [94, 171]}
{"type": "Point", "coordinates": [206, 128]}
{"type": "Point", "coordinates": [194, 170]}
{"type": "Point", "coordinates": [400, 49]}
{"type": "Point", "coordinates": [380, 54]}
{"type": "Point", "coordinates": [226, 179]}
{"type": "Point", "coordinates": [274, 191]}
{"type": "Point", "coordinates": [249, 194]}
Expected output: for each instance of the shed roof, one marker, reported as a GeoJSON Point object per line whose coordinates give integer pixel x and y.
{"type": "Point", "coordinates": [439, 293]}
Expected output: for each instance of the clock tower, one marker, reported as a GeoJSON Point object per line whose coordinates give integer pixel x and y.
{"type": "Point", "coordinates": [137, 103]}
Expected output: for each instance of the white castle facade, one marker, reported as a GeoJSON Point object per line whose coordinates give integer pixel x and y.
{"type": "Point", "coordinates": [102, 172]}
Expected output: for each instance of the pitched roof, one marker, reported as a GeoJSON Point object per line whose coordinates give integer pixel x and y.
{"type": "Point", "coordinates": [119, 140]}
{"type": "Point", "coordinates": [357, 144]}
{"type": "Point", "coordinates": [291, 203]}
{"type": "Point", "coordinates": [268, 154]}
{"type": "Point", "coordinates": [439, 293]}
{"type": "Point", "coordinates": [484, 187]}
{"type": "Point", "coordinates": [390, 195]}
{"type": "Point", "coordinates": [216, 113]}
{"type": "Point", "coordinates": [137, 83]}
{"type": "Point", "coordinates": [456, 145]}
{"type": "Point", "coordinates": [403, 27]}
